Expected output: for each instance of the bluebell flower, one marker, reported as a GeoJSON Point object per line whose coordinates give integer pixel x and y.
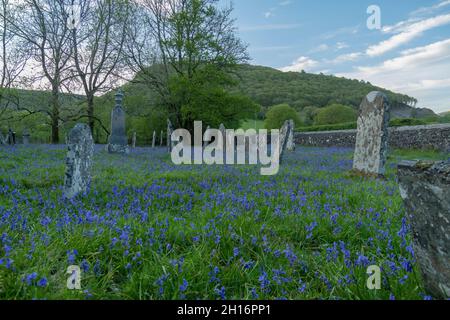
{"type": "Point", "coordinates": [42, 282]}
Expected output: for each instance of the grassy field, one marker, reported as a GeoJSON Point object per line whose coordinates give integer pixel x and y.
{"type": "Point", "coordinates": [151, 230]}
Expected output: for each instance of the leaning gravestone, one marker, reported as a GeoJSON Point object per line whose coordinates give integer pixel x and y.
{"type": "Point", "coordinates": [223, 132]}
{"type": "Point", "coordinates": [78, 161]}
{"type": "Point", "coordinates": [372, 135]}
{"type": "Point", "coordinates": [290, 144]}
{"type": "Point", "coordinates": [3, 140]}
{"type": "Point", "coordinates": [133, 140]}
{"type": "Point", "coordinates": [425, 189]}
{"type": "Point", "coordinates": [118, 142]}
{"type": "Point", "coordinates": [284, 137]}
{"type": "Point", "coordinates": [169, 136]}
{"type": "Point", "coordinates": [26, 137]}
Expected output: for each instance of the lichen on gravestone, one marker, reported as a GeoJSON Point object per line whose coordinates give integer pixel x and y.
{"type": "Point", "coordinates": [425, 189]}
{"type": "Point", "coordinates": [372, 135]}
{"type": "Point", "coordinates": [80, 150]}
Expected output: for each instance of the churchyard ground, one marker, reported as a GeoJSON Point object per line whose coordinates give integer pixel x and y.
{"type": "Point", "coordinates": [149, 229]}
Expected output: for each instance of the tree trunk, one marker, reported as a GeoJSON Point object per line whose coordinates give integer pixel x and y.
{"type": "Point", "coordinates": [90, 113]}
{"type": "Point", "coordinates": [55, 116]}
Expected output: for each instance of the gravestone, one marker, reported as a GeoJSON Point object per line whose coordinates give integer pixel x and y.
{"type": "Point", "coordinates": [80, 147]}
{"type": "Point", "coordinates": [372, 135]}
{"type": "Point", "coordinates": [26, 137]}
{"type": "Point", "coordinates": [223, 131]}
{"type": "Point", "coordinates": [118, 142]}
{"type": "Point", "coordinates": [154, 139]}
{"type": "Point", "coordinates": [425, 189]}
{"type": "Point", "coordinates": [3, 139]}
{"type": "Point", "coordinates": [133, 141]}
{"type": "Point", "coordinates": [290, 140]}
{"type": "Point", "coordinates": [11, 137]}
{"type": "Point", "coordinates": [169, 136]}
{"type": "Point", "coordinates": [161, 142]}
{"type": "Point", "coordinates": [284, 137]}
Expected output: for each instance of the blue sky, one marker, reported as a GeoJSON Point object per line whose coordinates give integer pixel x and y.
{"type": "Point", "coordinates": [409, 54]}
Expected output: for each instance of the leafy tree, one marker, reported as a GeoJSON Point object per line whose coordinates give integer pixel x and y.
{"type": "Point", "coordinates": [277, 115]}
{"type": "Point", "coordinates": [308, 115]}
{"type": "Point", "coordinates": [173, 41]}
{"type": "Point", "coordinates": [336, 113]}
{"type": "Point", "coordinates": [203, 97]}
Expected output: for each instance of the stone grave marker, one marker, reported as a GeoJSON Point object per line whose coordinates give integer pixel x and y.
{"type": "Point", "coordinates": [169, 136]}
{"type": "Point", "coordinates": [80, 147]}
{"type": "Point", "coordinates": [26, 137]}
{"type": "Point", "coordinates": [372, 135]}
{"type": "Point", "coordinates": [284, 137]}
{"type": "Point", "coordinates": [425, 189]}
{"type": "Point", "coordinates": [290, 139]}
{"type": "Point", "coordinates": [134, 140]}
{"type": "Point", "coordinates": [118, 141]}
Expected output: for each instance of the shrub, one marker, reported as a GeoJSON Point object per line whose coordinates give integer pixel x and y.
{"type": "Point", "coordinates": [329, 127]}
{"type": "Point", "coordinates": [336, 113]}
{"type": "Point", "coordinates": [406, 122]}
{"type": "Point", "coordinates": [277, 115]}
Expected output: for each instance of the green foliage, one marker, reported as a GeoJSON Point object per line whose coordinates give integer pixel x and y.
{"type": "Point", "coordinates": [406, 122]}
{"type": "Point", "coordinates": [252, 124]}
{"type": "Point", "coordinates": [203, 98]}
{"type": "Point", "coordinates": [277, 115]}
{"type": "Point", "coordinates": [330, 127]}
{"type": "Point", "coordinates": [334, 114]}
{"type": "Point", "coordinates": [268, 87]}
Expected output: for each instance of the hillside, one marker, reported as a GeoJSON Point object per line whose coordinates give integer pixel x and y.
{"type": "Point", "coordinates": [264, 85]}
{"type": "Point", "coordinates": [268, 87]}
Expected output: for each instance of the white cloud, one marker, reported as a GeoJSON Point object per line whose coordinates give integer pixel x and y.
{"type": "Point", "coordinates": [412, 58]}
{"type": "Point", "coordinates": [347, 57]}
{"type": "Point", "coordinates": [321, 48]}
{"type": "Point", "coordinates": [302, 63]}
{"type": "Point", "coordinates": [285, 3]}
{"type": "Point", "coordinates": [341, 45]}
{"type": "Point", "coordinates": [408, 32]}
{"type": "Point", "coordinates": [340, 32]}
{"type": "Point", "coordinates": [429, 10]}
{"type": "Point", "coordinates": [406, 74]}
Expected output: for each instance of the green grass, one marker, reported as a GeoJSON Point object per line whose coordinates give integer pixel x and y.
{"type": "Point", "coordinates": [143, 216]}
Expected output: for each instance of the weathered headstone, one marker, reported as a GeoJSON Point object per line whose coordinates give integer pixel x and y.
{"type": "Point", "coordinates": [169, 136]}
{"type": "Point", "coordinates": [154, 139]}
{"type": "Point", "coordinates": [290, 146]}
{"type": "Point", "coordinates": [118, 141]}
{"type": "Point", "coordinates": [425, 189]}
{"type": "Point", "coordinates": [133, 141]}
{"type": "Point", "coordinates": [80, 147]}
{"type": "Point", "coordinates": [11, 137]}
{"type": "Point", "coordinates": [26, 137]}
{"type": "Point", "coordinates": [284, 137]}
{"type": "Point", "coordinates": [223, 131]}
{"type": "Point", "coordinates": [372, 135]}
{"type": "Point", "coordinates": [3, 139]}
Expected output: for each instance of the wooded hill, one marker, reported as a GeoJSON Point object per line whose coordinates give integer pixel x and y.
{"type": "Point", "coordinates": [266, 86]}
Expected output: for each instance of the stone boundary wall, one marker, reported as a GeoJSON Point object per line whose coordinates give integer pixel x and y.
{"type": "Point", "coordinates": [436, 136]}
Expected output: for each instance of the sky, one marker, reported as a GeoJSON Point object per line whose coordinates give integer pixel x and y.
{"type": "Point", "coordinates": [409, 53]}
